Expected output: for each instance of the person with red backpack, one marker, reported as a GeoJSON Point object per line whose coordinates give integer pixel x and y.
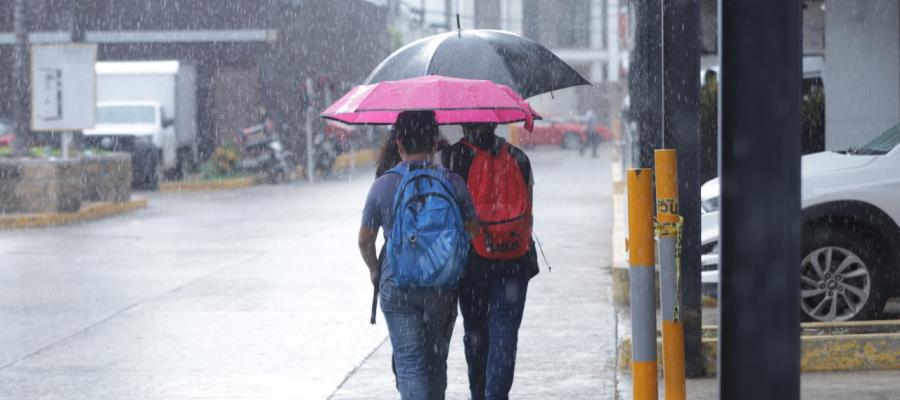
{"type": "Point", "coordinates": [493, 287]}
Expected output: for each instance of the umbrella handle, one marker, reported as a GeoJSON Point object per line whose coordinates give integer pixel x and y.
{"type": "Point", "coordinates": [458, 26]}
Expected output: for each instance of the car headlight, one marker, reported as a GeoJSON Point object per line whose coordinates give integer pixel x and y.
{"type": "Point", "coordinates": [710, 205]}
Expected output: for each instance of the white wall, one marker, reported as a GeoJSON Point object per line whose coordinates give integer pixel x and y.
{"type": "Point", "coordinates": [862, 70]}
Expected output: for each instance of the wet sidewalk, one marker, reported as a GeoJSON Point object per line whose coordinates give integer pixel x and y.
{"type": "Point", "coordinates": [567, 343]}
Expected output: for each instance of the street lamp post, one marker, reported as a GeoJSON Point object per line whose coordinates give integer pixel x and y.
{"type": "Point", "coordinates": [20, 95]}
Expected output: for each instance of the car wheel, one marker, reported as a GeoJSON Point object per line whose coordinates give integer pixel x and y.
{"type": "Point", "coordinates": [570, 141]}
{"type": "Point", "coordinates": [838, 280]}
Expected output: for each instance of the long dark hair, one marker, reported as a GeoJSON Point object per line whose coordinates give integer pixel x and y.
{"type": "Point", "coordinates": [388, 155]}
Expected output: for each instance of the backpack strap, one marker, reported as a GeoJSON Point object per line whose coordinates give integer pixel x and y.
{"type": "Point", "coordinates": [465, 142]}
{"type": "Point", "coordinates": [504, 146]}
{"type": "Point", "coordinates": [399, 169]}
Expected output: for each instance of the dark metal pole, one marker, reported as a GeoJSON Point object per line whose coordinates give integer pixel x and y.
{"type": "Point", "coordinates": [80, 10]}
{"type": "Point", "coordinates": [645, 80]}
{"type": "Point", "coordinates": [759, 166]}
{"type": "Point", "coordinates": [681, 131]}
{"type": "Point", "coordinates": [21, 94]}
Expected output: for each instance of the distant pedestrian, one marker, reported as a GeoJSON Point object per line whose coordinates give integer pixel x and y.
{"type": "Point", "coordinates": [591, 124]}
{"type": "Point", "coordinates": [493, 289]}
{"type": "Point", "coordinates": [427, 218]}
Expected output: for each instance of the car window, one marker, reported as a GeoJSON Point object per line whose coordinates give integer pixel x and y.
{"type": "Point", "coordinates": [126, 115]}
{"type": "Point", "coordinates": [884, 142]}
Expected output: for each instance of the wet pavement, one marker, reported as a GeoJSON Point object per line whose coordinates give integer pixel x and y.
{"type": "Point", "coordinates": [249, 294]}
{"type": "Point", "coordinates": [260, 294]}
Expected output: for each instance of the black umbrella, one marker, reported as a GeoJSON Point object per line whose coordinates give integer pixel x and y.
{"type": "Point", "coordinates": [502, 57]}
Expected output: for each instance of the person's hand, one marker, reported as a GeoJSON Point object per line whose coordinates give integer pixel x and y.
{"type": "Point", "coordinates": [373, 276]}
{"type": "Point", "coordinates": [441, 143]}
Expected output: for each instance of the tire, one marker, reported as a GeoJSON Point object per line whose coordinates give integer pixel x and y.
{"type": "Point", "coordinates": [570, 141]}
{"type": "Point", "coordinates": [183, 164]}
{"type": "Point", "coordinates": [144, 164]}
{"type": "Point", "coordinates": [839, 274]}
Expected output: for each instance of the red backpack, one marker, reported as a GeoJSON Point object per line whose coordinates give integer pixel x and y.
{"type": "Point", "coordinates": [501, 202]}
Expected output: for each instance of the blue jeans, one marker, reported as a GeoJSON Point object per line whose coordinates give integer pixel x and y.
{"type": "Point", "coordinates": [492, 301]}
{"type": "Point", "coordinates": [420, 322]}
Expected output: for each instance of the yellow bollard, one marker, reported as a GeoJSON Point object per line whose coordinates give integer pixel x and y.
{"type": "Point", "coordinates": [668, 230]}
{"type": "Point", "coordinates": [643, 288]}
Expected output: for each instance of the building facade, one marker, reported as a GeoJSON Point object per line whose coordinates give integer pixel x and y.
{"type": "Point", "coordinates": [591, 35]}
{"type": "Point", "coordinates": [251, 57]}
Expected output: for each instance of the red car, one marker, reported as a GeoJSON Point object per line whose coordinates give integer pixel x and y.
{"type": "Point", "coordinates": [6, 140]}
{"type": "Point", "coordinates": [566, 134]}
{"type": "Point", "coordinates": [6, 133]}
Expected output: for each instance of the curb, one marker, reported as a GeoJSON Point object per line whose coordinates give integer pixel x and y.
{"type": "Point", "coordinates": [343, 162]}
{"type": "Point", "coordinates": [824, 348]}
{"type": "Point", "coordinates": [208, 185]}
{"type": "Point", "coordinates": [90, 211]}
{"type": "Point", "coordinates": [619, 270]}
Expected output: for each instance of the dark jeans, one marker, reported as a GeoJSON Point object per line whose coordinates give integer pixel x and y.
{"type": "Point", "coordinates": [492, 300]}
{"type": "Point", "coordinates": [420, 322]}
{"type": "Point", "coordinates": [593, 141]}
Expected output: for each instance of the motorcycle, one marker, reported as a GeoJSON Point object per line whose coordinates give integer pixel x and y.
{"type": "Point", "coordinates": [326, 151]}
{"type": "Point", "coordinates": [263, 153]}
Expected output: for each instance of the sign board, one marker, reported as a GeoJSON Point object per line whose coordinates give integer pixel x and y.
{"type": "Point", "coordinates": [63, 87]}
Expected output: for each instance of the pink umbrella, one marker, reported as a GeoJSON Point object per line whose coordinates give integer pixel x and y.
{"type": "Point", "coordinates": [454, 101]}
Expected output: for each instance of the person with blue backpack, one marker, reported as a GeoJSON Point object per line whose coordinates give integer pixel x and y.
{"type": "Point", "coordinates": [427, 217]}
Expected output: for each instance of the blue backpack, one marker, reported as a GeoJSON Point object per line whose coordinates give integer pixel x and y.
{"type": "Point", "coordinates": [428, 244]}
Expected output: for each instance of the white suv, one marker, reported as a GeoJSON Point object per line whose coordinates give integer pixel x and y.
{"type": "Point", "coordinates": [851, 239]}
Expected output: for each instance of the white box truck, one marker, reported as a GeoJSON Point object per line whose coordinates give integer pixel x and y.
{"type": "Point", "coordinates": [143, 103]}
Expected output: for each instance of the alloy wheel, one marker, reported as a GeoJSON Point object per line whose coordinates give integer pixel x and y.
{"type": "Point", "coordinates": [835, 284]}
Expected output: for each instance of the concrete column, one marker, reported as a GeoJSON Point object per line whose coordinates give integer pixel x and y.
{"type": "Point", "coordinates": [681, 131]}
{"type": "Point", "coordinates": [645, 80]}
{"type": "Point", "coordinates": [759, 165]}
{"type": "Point", "coordinates": [612, 40]}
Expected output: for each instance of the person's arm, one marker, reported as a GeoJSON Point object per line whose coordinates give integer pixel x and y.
{"type": "Point", "coordinates": [368, 230]}
{"type": "Point", "coordinates": [366, 242]}
{"type": "Point", "coordinates": [466, 207]}
{"type": "Point", "coordinates": [473, 227]}
{"type": "Point", "coordinates": [525, 167]}
{"type": "Point", "coordinates": [446, 157]}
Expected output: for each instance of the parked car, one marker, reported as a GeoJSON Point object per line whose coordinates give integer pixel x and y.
{"type": "Point", "coordinates": [6, 132]}
{"type": "Point", "coordinates": [566, 134]}
{"type": "Point", "coordinates": [850, 262]}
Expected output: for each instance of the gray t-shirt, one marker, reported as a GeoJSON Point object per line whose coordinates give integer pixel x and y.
{"type": "Point", "coordinates": [379, 209]}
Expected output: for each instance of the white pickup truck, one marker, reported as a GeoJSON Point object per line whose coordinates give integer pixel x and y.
{"type": "Point", "coordinates": [140, 104]}
{"type": "Point", "coordinates": [850, 227]}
